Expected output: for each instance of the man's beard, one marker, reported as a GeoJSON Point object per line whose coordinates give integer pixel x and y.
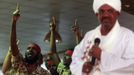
{"type": "Point", "coordinates": [67, 63]}
{"type": "Point", "coordinates": [31, 60]}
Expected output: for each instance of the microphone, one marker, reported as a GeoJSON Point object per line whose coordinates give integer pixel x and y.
{"type": "Point", "coordinates": [96, 43]}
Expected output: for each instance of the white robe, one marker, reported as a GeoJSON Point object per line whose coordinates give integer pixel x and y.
{"type": "Point", "coordinates": [117, 57]}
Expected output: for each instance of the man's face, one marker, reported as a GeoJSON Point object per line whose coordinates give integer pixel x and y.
{"type": "Point", "coordinates": [107, 16]}
{"type": "Point", "coordinates": [31, 54]}
{"type": "Point", "coordinates": [67, 60]}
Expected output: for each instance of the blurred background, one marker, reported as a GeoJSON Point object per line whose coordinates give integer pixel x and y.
{"type": "Point", "coordinates": [33, 24]}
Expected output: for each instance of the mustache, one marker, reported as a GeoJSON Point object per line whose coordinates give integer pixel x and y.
{"type": "Point", "coordinates": [105, 19]}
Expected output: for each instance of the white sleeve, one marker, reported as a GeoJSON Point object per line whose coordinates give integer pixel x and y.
{"type": "Point", "coordinates": [77, 62]}
{"type": "Point", "coordinates": [110, 62]}
{"type": "Point", "coordinates": [113, 61]}
{"type": "Point", "coordinates": [129, 50]}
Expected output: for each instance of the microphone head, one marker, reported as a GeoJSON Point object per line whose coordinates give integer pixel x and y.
{"type": "Point", "coordinates": [97, 40]}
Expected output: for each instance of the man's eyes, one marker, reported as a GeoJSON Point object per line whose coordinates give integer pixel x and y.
{"type": "Point", "coordinates": [108, 11]}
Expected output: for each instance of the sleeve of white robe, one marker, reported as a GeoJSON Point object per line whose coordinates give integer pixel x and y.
{"type": "Point", "coordinates": [113, 62]}
{"type": "Point", "coordinates": [77, 62]}
{"type": "Point", "coordinates": [129, 52]}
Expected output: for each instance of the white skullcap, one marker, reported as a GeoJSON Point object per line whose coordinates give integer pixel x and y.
{"type": "Point", "coordinates": [116, 4]}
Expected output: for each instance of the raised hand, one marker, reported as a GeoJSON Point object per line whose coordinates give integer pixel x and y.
{"type": "Point", "coordinates": [13, 37]}
{"type": "Point", "coordinates": [75, 28]}
{"type": "Point", "coordinates": [16, 13]}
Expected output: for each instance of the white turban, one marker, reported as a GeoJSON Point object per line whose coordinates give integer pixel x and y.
{"type": "Point", "coordinates": [116, 4]}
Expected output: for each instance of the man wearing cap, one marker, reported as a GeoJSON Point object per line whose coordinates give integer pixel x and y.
{"type": "Point", "coordinates": [15, 64]}
{"type": "Point", "coordinates": [63, 67]}
{"type": "Point", "coordinates": [115, 53]}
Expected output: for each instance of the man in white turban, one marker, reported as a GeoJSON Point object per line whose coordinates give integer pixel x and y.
{"type": "Point", "coordinates": [114, 53]}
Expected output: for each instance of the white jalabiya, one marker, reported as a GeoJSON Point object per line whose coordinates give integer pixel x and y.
{"type": "Point", "coordinates": [117, 56]}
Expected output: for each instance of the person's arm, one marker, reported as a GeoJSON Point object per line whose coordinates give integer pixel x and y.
{"type": "Point", "coordinates": [77, 61]}
{"type": "Point", "coordinates": [124, 55]}
{"type": "Point", "coordinates": [14, 47]}
{"type": "Point", "coordinates": [7, 62]}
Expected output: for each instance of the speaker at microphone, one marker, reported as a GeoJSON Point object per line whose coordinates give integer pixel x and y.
{"type": "Point", "coordinates": [96, 43]}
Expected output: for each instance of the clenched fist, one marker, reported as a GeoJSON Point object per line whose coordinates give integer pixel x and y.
{"type": "Point", "coordinates": [87, 67]}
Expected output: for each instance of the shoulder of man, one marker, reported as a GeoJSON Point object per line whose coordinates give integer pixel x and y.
{"type": "Point", "coordinates": [127, 31]}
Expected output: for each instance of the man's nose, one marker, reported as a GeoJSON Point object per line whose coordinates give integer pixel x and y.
{"type": "Point", "coordinates": [106, 14]}
{"type": "Point", "coordinates": [30, 50]}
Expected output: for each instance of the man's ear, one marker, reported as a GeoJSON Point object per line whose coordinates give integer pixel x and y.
{"type": "Point", "coordinates": [118, 13]}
